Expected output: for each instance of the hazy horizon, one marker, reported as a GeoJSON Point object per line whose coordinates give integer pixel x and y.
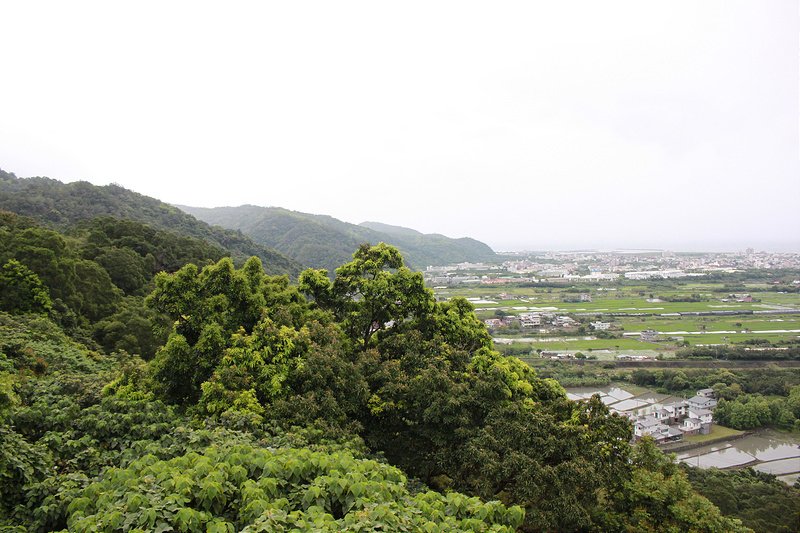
{"type": "Point", "coordinates": [537, 126]}
{"type": "Point", "coordinates": [775, 247]}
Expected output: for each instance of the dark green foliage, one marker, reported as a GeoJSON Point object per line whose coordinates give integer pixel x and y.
{"type": "Point", "coordinates": [85, 270]}
{"type": "Point", "coordinates": [750, 411]}
{"type": "Point", "coordinates": [570, 375]}
{"type": "Point", "coordinates": [134, 252]}
{"type": "Point", "coordinates": [758, 380]}
{"type": "Point", "coordinates": [763, 503]}
{"type": "Point", "coordinates": [133, 328]}
{"type": "Point", "coordinates": [324, 242]}
{"type": "Point", "coordinates": [77, 286]}
{"type": "Point", "coordinates": [21, 464]}
{"type": "Point", "coordinates": [372, 293]}
{"type": "Point", "coordinates": [65, 204]}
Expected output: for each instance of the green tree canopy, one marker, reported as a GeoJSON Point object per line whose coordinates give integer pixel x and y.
{"type": "Point", "coordinates": [21, 290]}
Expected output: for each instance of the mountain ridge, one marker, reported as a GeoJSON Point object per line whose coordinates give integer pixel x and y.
{"type": "Point", "coordinates": [322, 241]}
{"type": "Point", "coordinates": [60, 205]}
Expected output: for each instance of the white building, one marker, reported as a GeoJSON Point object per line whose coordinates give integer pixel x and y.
{"type": "Point", "coordinates": [704, 416]}
{"type": "Point", "coordinates": [648, 335]}
{"type": "Point", "coordinates": [701, 402]}
{"type": "Point", "coordinates": [691, 426]}
{"type": "Point", "coordinates": [564, 321]}
{"type": "Point", "coordinates": [530, 320]}
{"type": "Point", "coordinates": [677, 409]}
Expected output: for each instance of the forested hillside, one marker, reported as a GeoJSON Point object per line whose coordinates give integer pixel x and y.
{"type": "Point", "coordinates": [322, 241]}
{"type": "Point", "coordinates": [356, 403]}
{"type": "Point", "coordinates": [92, 280]}
{"type": "Point", "coordinates": [61, 205]}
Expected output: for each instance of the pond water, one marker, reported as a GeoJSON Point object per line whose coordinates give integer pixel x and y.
{"type": "Point", "coordinates": [612, 391]}
{"type": "Point", "coordinates": [719, 458]}
{"type": "Point", "coordinates": [628, 405]}
{"type": "Point", "coordinates": [781, 467]}
{"type": "Point", "coordinates": [618, 397]}
{"type": "Point", "coordinates": [776, 453]}
{"type": "Point", "coordinates": [653, 397]}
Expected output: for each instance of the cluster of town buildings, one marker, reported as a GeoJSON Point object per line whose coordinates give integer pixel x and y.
{"type": "Point", "coordinates": [541, 319]}
{"type": "Point", "coordinates": [672, 421]}
{"type": "Point", "coordinates": [593, 266]}
{"type": "Point", "coordinates": [536, 320]}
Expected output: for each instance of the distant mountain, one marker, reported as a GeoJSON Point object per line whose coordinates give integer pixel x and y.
{"type": "Point", "coordinates": [65, 204]}
{"type": "Point", "coordinates": [322, 241]}
{"type": "Point", "coordinates": [391, 230]}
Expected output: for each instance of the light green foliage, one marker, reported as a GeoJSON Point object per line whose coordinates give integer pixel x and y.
{"type": "Point", "coordinates": [456, 322]}
{"type": "Point", "coordinates": [239, 329]}
{"type": "Point", "coordinates": [254, 371]}
{"type": "Point", "coordinates": [8, 398]}
{"type": "Point", "coordinates": [244, 488]}
{"type": "Point", "coordinates": [21, 290]}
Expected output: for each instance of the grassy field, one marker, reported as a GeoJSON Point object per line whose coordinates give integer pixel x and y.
{"type": "Point", "coordinates": [626, 305]}
{"type": "Point", "coordinates": [710, 323]}
{"type": "Point", "coordinates": [626, 345]}
{"type": "Point", "coordinates": [730, 338]}
{"type": "Point", "coordinates": [632, 302]}
{"type": "Point", "coordinates": [584, 345]}
{"type": "Point", "coordinates": [717, 432]}
{"type": "Point", "coordinates": [620, 299]}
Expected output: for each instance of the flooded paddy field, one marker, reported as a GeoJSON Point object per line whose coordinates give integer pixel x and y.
{"type": "Point", "coordinates": [622, 397]}
{"type": "Point", "coordinates": [768, 451]}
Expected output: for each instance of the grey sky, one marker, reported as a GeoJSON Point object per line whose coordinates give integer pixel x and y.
{"type": "Point", "coordinates": [526, 125]}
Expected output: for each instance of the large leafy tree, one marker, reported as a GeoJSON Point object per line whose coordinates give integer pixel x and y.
{"type": "Point", "coordinates": [372, 353]}
{"type": "Point", "coordinates": [21, 290]}
{"type": "Point", "coordinates": [449, 409]}
{"type": "Point", "coordinates": [373, 292]}
{"type": "Point", "coordinates": [226, 320]}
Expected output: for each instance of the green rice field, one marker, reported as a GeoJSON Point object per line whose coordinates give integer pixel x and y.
{"type": "Point", "coordinates": [628, 309]}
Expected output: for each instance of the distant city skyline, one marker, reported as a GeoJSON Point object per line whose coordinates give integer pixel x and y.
{"type": "Point", "coordinates": [524, 125]}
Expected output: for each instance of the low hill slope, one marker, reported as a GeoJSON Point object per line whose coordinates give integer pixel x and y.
{"type": "Point", "coordinates": [444, 249]}
{"type": "Point", "coordinates": [322, 241]}
{"type": "Point", "coordinates": [64, 204]}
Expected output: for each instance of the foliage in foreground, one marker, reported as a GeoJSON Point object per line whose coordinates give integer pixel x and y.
{"type": "Point", "coordinates": [243, 488]}
{"type": "Point", "coordinates": [192, 440]}
{"type": "Point", "coordinates": [761, 501]}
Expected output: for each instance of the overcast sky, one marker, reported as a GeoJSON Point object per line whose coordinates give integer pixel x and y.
{"type": "Point", "coordinates": [546, 125]}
